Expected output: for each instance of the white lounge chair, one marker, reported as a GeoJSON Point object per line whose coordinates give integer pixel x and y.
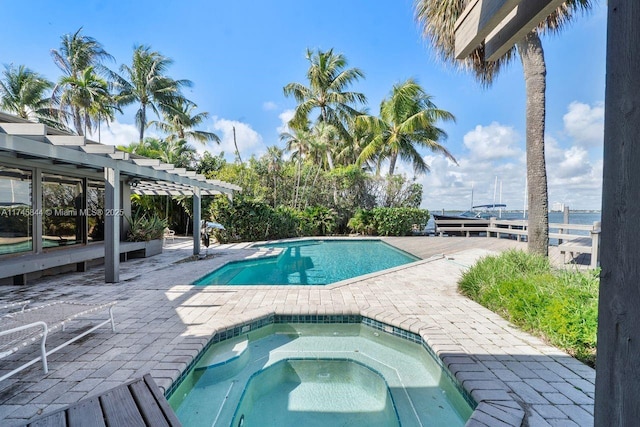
{"type": "Point", "coordinates": [19, 329]}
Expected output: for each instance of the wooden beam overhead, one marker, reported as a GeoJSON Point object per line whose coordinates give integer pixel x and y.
{"type": "Point", "coordinates": [526, 16]}
{"type": "Point", "coordinates": [477, 21]}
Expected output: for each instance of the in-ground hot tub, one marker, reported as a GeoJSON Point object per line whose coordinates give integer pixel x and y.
{"type": "Point", "coordinates": [291, 373]}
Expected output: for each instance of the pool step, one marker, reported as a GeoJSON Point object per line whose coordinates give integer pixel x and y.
{"type": "Point", "coordinates": [223, 353]}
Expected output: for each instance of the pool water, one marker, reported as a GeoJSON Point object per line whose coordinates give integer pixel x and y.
{"type": "Point", "coordinates": [303, 392]}
{"type": "Point", "coordinates": [310, 262]}
{"type": "Point", "coordinates": [318, 374]}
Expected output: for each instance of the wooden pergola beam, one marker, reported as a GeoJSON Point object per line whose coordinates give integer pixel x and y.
{"type": "Point", "coordinates": [524, 18]}
{"type": "Point", "coordinates": [499, 23]}
{"type": "Point", "coordinates": [477, 21]}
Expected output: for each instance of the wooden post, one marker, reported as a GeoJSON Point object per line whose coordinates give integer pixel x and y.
{"type": "Point", "coordinates": [196, 220]}
{"type": "Point", "coordinates": [111, 225]}
{"type": "Point", "coordinates": [595, 244]}
{"type": "Point", "coordinates": [617, 386]}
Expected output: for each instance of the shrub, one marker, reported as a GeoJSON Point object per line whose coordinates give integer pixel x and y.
{"type": "Point", "coordinates": [143, 229]}
{"type": "Point", "coordinates": [558, 306]}
{"type": "Point", "coordinates": [389, 221]}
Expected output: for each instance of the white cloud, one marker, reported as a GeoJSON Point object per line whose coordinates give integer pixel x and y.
{"type": "Point", "coordinates": [285, 117]}
{"type": "Point", "coordinates": [269, 106]}
{"type": "Point", "coordinates": [249, 141]}
{"type": "Point", "coordinates": [492, 142]}
{"type": "Point", "coordinates": [574, 173]}
{"type": "Point", "coordinates": [585, 124]}
{"type": "Point", "coordinates": [117, 134]}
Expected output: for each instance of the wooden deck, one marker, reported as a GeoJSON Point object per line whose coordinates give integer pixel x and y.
{"type": "Point", "coordinates": [139, 403]}
{"type": "Point", "coordinates": [428, 246]}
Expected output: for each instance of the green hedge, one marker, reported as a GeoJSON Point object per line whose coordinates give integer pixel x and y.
{"type": "Point", "coordinates": [389, 221]}
{"type": "Point", "coordinates": [247, 220]}
{"type": "Point", "coordinates": [560, 306]}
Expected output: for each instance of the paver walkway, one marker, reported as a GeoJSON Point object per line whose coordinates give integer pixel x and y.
{"type": "Point", "coordinates": [163, 322]}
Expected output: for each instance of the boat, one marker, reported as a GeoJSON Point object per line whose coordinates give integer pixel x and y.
{"type": "Point", "coordinates": [476, 212]}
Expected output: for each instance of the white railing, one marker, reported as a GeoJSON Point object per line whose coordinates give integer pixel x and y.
{"type": "Point", "coordinates": [572, 238]}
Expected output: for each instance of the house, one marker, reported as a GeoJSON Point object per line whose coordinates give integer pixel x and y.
{"type": "Point", "coordinates": [64, 199]}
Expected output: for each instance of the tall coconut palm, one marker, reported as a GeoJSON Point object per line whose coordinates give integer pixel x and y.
{"type": "Point", "coordinates": [297, 142]}
{"type": "Point", "coordinates": [406, 122]}
{"type": "Point", "coordinates": [77, 53]}
{"type": "Point", "coordinates": [180, 121]}
{"type": "Point", "coordinates": [328, 80]}
{"type": "Point", "coordinates": [23, 92]}
{"type": "Point", "coordinates": [274, 165]}
{"type": "Point", "coordinates": [87, 94]}
{"type": "Point", "coordinates": [438, 20]}
{"type": "Point", "coordinates": [144, 82]}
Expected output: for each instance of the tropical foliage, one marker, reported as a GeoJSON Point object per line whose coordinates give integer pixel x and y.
{"type": "Point", "coordinates": [146, 84]}
{"type": "Point", "coordinates": [76, 93]}
{"type": "Point", "coordinates": [407, 121]}
{"type": "Point", "coordinates": [560, 306]}
{"type": "Point", "coordinates": [23, 93]}
{"type": "Point", "coordinates": [328, 169]}
{"type": "Point", "coordinates": [143, 228]}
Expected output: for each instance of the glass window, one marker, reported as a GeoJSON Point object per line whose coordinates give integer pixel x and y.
{"type": "Point", "coordinates": [16, 214]}
{"type": "Point", "coordinates": [95, 210]}
{"type": "Point", "coordinates": [64, 219]}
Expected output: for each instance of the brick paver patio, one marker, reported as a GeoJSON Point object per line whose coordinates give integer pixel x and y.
{"type": "Point", "coordinates": [163, 322]}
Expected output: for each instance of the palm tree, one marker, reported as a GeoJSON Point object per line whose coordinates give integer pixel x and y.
{"type": "Point", "coordinates": [180, 121]}
{"type": "Point", "coordinates": [86, 95]}
{"type": "Point", "coordinates": [328, 80]}
{"type": "Point", "coordinates": [274, 165]}
{"type": "Point", "coordinates": [407, 121]}
{"type": "Point", "coordinates": [438, 20]}
{"type": "Point", "coordinates": [297, 142]}
{"type": "Point", "coordinates": [22, 92]}
{"type": "Point", "coordinates": [145, 83]}
{"type": "Point", "coordinates": [77, 53]}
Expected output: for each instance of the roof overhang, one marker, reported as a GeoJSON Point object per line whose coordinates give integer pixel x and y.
{"type": "Point", "coordinates": [499, 24]}
{"type": "Point", "coordinates": [146, 176]}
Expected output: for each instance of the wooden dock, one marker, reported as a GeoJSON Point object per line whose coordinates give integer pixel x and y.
{"type": "Point", "coordinates": [575, 241]}
{"type": "Point", "coordinates": [138, 403]}
{"type": "Point", "coordinates": [428, 246]}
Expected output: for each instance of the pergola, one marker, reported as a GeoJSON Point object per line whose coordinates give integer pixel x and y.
{"type": "Point", "coordinates": [499, 24]}
{"type": "Point", "coordinates": [34, 144]}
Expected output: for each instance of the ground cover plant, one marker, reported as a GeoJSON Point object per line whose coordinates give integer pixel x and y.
{"type": "Point", "coordinates": [559, 306]}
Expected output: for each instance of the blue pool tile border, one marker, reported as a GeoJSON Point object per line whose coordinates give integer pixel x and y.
{"type": "Point", "coordinates": [270, 319]}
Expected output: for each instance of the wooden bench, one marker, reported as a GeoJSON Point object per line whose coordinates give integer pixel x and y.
{"type": "Point", "coordinates": [138, 403]}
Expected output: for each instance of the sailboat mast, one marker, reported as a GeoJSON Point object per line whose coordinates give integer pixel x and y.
{"type": "Point", "coordinates": [500, 210]}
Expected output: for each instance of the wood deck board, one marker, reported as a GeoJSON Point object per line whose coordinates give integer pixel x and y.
{"type": "Point", "coordinates": [56, 420]}
{"type": "Point", "coordinates": [136, 403]}
{"type": "Point", "coordinates": [86, 413]}
{"type": "Point", "coordinates": [147, 405]}
{"type": "Point", "coordinates": [120, 409]}
{"type": "Point", "coordinates": [170, 416]}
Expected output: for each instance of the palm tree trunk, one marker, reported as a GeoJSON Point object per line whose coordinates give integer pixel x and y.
{"type": "Point", "coordinates": [77, 121]}
{"type": "Point", "coordinates": [392, 163]}
{"type": "Point", "coordinates": [143, 121]}
{"type": "Point", "coordinates": [533, 64]}
{"type": "Point", "coordinates": [299, 172]}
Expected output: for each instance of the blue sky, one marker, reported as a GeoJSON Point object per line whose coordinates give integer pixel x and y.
{"type": "Point", "coordinates": [240, 54]}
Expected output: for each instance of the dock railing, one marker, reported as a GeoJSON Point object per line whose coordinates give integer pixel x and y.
{"type": "Point", "coordinates": [572, 238]}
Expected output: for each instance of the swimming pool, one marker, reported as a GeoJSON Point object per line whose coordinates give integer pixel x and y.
{"type": "Point", "coordinates": [318, 374]}
{"type": "Point", "coordinates": [310, 262]}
